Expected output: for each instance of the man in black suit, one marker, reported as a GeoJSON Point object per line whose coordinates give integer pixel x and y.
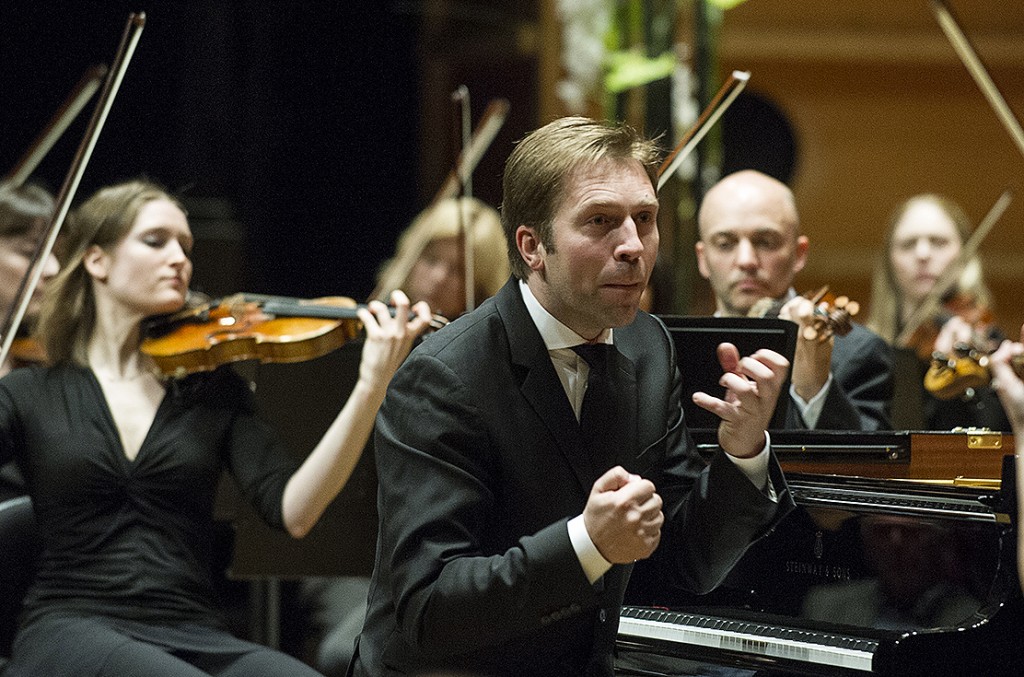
{"type": "Point", "coordinates": [750, 249]}
{"type": "Point", "coordinates": [507, 529]}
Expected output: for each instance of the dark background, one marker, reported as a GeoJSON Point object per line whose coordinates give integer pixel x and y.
{"type": "Point", "coordinates": [289, 128]}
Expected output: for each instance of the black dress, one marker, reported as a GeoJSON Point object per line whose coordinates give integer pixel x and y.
{"type": "Point", "coordinates": [129, 541]}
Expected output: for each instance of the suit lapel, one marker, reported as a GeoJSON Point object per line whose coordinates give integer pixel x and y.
{"type": "Point", "coordinates": [540, 385]}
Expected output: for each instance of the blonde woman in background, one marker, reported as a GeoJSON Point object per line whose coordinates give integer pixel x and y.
{"type": "Point", "coordinates": [926, 235]}
{"type": "Point", "coordinates": [428, 263]}
{"type": "Point", "coordinates": [25, 212]}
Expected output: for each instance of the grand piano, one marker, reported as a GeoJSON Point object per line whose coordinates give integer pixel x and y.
{"type": "Point", "coordinates": [899, 560]}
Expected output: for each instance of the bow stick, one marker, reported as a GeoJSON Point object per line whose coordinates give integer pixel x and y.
{"type": "Point", "coordinates": [723, 99]}
{"type": "Point", "coordinates": [461, 97]}
{"type": "Point", "coordinates": [486, 129]}
{"type": "Point", "coordinates": [969, 56]}
{"type": "Point", "coordinates": [129, 40]}
{"type": "Point", "coordinates": [68, 111]}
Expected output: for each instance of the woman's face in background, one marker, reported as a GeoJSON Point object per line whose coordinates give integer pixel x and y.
{"type": "Point", "coordinates": [16, 254]}
{"type": "Point", "coordinates": [924, 243]}
{"type": "Point", "coordinates": [438, 277]}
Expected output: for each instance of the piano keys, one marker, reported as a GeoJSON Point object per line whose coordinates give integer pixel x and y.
{"type": "Point", "coordinates": [866, 576]}
{"type": "Point", "coordinates": [785, 644]}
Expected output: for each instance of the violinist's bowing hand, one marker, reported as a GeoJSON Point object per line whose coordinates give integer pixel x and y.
{"type": "Point", "coordinates": [1007, 383]}
{"type": "Point", "coordinates": [812, 360]}
{"type": "Point", "coordinates": [389, 338]}
{"type": "Point", "coordinates": [752, 385]}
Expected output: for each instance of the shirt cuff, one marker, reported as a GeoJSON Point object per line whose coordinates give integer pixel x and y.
{"type": "Point", "coordinates": [593, 563]}
{"type": "Point", "coordinates": [811, 411]}
{"type": "Point", "coordinates": [756, 468]}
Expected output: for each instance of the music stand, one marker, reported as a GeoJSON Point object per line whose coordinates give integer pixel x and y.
{"type": "Point", "coordinates": [697, 339]}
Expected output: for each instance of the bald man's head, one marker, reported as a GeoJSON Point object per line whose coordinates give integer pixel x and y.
{"type": "Point", "coordinates": [750, 245]}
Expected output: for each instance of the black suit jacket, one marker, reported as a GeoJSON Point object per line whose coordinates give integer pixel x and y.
{"type": "Point", "coordinates": [481, 465]}
{"type": "Point", "coordinates": [860, 397]}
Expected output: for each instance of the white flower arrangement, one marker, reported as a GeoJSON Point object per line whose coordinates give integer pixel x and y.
{"type": "Point", "coordinates": [585, 26]}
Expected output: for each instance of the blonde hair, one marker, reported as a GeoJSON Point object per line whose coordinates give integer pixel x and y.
{"type": "Point", "coordinates": [885, 315]}
{"type": "Point", "coordinates": [442, 220]}
{"type": "Point", "coordinates": [68, 313]}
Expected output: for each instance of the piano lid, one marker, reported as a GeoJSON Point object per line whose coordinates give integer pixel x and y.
{"type": "Point", "coordinates": [968, 453]}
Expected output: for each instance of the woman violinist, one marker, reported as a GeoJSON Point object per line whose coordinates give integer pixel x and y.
{"type": "Point", "coordinates": [122, 465]}
{"type": "Point", "coordinates": [25, 211]}
{"type": "Point", "coordinates": [925, 237]}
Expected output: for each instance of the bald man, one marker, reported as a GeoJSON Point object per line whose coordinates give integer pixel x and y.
{"type": "Point", "coordinates": [750, 250]}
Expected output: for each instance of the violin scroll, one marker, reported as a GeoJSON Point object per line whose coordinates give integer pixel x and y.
{"type": "Point", "coordinates": [833, 315]}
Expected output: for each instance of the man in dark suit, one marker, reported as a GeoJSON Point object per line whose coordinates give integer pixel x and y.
{"type": "Point", "coordinates": [508, 526]}
{"type": "Point", "coordinates": [750, 249]}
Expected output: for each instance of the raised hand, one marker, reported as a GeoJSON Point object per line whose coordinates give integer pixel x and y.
{"type": "Point", "coordinates": [752, 384]}
{"type": "Point", "coordinates": [389, 338]}
{"type": "Point", "coordinates": [812, 361]}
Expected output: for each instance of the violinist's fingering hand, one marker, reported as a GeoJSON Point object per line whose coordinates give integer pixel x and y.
{"type": "Point", "coordinates": [812, 361]}
{"type": "Point", "coordinates": [389, 338]}
{"type": "Point", "coordinates": [1007, 383]}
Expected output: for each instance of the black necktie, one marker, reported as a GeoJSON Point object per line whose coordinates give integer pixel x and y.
{"type": "Point", "coordinates": [599, 415]}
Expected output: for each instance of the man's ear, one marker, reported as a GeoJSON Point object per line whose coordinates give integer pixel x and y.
{"type": "Point", "coordinates": [530, 248]}
{"type": "Point", "coordinates": [800, 260]}
{"type": "Point", "coordinates": [702, 264]}
{"type": "Point", "coordinates": [95, 261]}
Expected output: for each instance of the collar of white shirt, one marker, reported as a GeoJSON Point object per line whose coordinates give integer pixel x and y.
{"type": "Point", "coordinates": [555, 334]}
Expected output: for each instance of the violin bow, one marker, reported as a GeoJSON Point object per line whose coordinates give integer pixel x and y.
{"type": "Point", "coordinates": [473, 150]}
{"type": "Point", "coordinates": [486, 130]}
{"type": "Point", "coordinates": [58, 124]}
{"type": "Point", "coordinates": [969, 56]}
{"type": "Point", "coordinates": [727, 93]}
{"type": "Point", "coordinates": [129, 40]}
{"type": "Point", "coordinates": [949, 276]}
{"type": "Point", "coordinates": [461, 97]}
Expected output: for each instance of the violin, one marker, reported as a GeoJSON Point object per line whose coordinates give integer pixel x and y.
{"type": "Point", "coordinates": [833, 315]}
{"type": "Point", "coordinates": [967, 308]}
{"type": "Point", "coordinates": [249, 326]}
{"type": "Point", "coordinates": [24, 351]}
{"type": "Point", "coordinates": [953, 375]}
{"type": "Point", "coordinates": [966, 366]}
